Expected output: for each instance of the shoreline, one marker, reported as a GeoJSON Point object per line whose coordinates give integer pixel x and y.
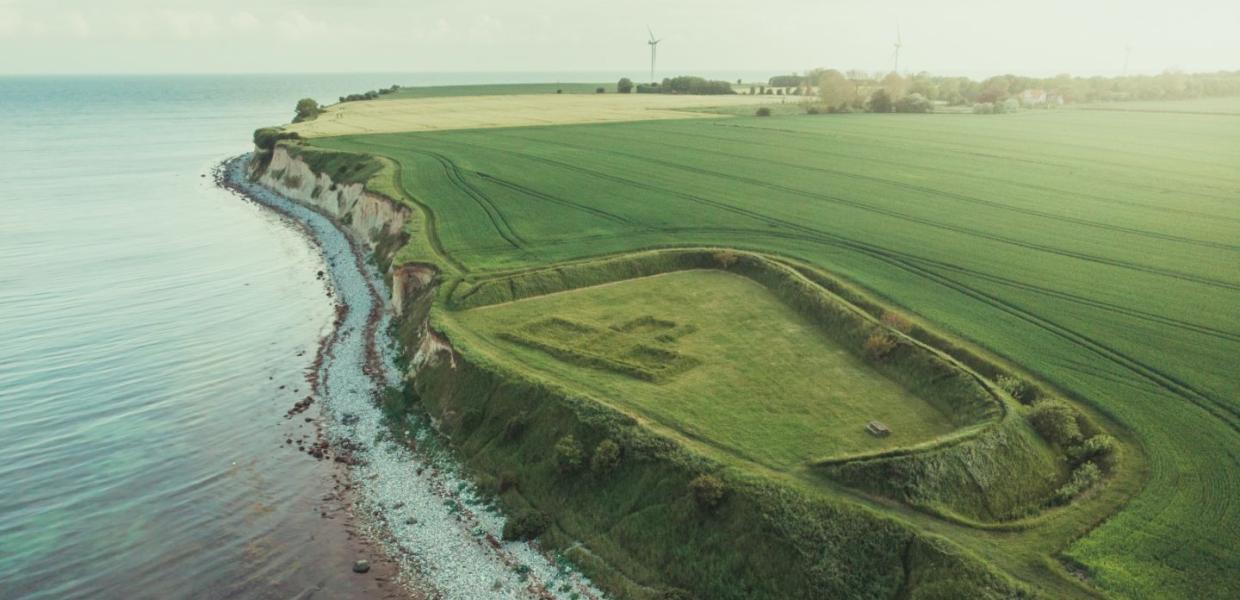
{"type": "Point", "coordinates": [406, 495]}
{"type": "Point", "coordinates": [341, 498]}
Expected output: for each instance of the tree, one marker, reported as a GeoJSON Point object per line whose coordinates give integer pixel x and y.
{"type": "Point", "coordinates": [835, 89]}
{"type": "Point", "coordinates": [894, 85]}
{"type": "Point", "coordinates": [307, 109]}
{"type": "Point", "coordinates": [880, 102]}
{"type": "Point", "coordinates": [625, 85]}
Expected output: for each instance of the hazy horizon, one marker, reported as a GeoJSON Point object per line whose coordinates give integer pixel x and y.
{"type": "Point", "coordinates": [555, 36]}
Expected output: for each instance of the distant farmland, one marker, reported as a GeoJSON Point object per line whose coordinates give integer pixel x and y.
{"type": "Point", "coordinates": [1100, 250]}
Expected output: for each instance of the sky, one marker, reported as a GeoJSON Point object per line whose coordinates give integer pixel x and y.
{"type": "Point", "coordinates": [955, 37]}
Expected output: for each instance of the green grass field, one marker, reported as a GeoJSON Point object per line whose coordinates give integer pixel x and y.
{"type": "Point", "coordinates": [767, 385]}
{"type": "Point", "coordinates": [1099, 250]}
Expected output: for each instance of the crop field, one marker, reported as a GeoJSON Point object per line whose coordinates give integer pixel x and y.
{"type": "Point", "coordinates": [450, 112]}
{"type": "Point", "coordinates": [760, 380]}
{"type": "Point", "coordinates": [498, 89]}
{"type": "Point", "coordinates": [1099, 250]}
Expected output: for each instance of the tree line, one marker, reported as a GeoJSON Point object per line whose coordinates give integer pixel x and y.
{"type": "Point", "coordinates": [856, 90]}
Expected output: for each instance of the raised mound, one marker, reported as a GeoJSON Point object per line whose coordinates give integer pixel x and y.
{"type": "Point", "coordinates": [736, 368]}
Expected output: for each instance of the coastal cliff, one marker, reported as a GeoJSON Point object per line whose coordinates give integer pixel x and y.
{"type": "Point", "coordinates": [674, 550]}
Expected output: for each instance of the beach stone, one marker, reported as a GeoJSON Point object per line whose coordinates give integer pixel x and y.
{"type": "Point", "coordinates": [361, 566]}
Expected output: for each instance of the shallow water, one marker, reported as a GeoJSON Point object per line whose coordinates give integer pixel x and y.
{"type": "Point", "coordinates": [154, 330]}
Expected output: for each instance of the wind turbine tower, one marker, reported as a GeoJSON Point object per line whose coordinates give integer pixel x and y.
{"type": "Point", "coordinates": [654, 46]}
{"type": "Point", "coordinates": [898, 44]}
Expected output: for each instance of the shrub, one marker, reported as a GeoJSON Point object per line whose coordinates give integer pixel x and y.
{"type": "Point", "coordinates": [726, 258]}
{"type": "Point", "coordinates": [812, 110]}
{"type": "Point", "coordinates": [880, 102]}
{"type": "Point", "coordinates": [625, 85]}
{"type": "Point", "coordinates": [983, 108]}
{"type": "Point", "coordinates": [878, 346]}
{"type": "Point", "coordinates": [515, 426]}
{"type": "Point", "coordinates": [600, 90]}
{"type": "Point", "coordinates": [1017, 387]}
{"type": "Point", "coordinates": [606, 457]}
{"type": "Point", "coordinates": [265, 138]}
{"type": "Point", "coordinates": [1083, 478]}
{"type": "Point", "coordinates": [1101, 449]}
{"type": "Point", "coordinates": [507, 481]}
{"type": "Point", "coordinates": [897, 322]}
{"type": "Point", "coordinates": [568, 454]}
{"type": "Point", "coordinates": [913, 103]}
{"type": "Point", "coordinates": [707, 491]}
{"type": "Point", "coordinates": [526, 525]}
{"type": "Point", "coordinates": [1056, 422]}
{"type": "Point", "coordinates": [559, 91]}
{"type": "Point", "coordinates": [763, 112]}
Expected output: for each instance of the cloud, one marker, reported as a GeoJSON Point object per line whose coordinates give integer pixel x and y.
{"type": "Point", "coordinates": [244, 21]}
{"type": "Point", "coordinates": [78, 25]}
{"type": "Point", "coordinates": [10, 22]}
{"type": "Point", "coordinates": [190, 25]}
{"type": "Point", "coordinates": [297, 26]}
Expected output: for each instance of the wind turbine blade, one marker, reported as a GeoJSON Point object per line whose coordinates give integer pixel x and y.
{"type": "Point", "coordinates": [651, 32]}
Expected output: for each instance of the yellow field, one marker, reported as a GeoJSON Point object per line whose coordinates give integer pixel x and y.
{"type": "Point", "coordinates": [475, 112]}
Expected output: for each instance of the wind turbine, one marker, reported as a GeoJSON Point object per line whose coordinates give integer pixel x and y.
{"type": "Point", "coordinates": [898, 44]}
{"type": "Point", "coordinates": [654, 46]}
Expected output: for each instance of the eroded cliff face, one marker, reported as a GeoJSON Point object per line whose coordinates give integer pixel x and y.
{"type": "Point", "coordinates": [368, 217]}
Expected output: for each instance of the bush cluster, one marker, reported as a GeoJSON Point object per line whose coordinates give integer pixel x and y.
{"type": "Point", "coordinates": [371, 95]}
{"type": "Point", "coordinates": [913, 103]}
{"type": "Point", "coordinates": [1083, 477]}
{"type": "Point", "coordinates": [1019, 389]}
{"type": "Point", "coordinates": [515, 426]}
{"type": "Point", "coordinates": [266, 138]}
{"type": "Point", "coordinates": [526, 525]}
{"type": "Point", "coordinates": [878, 346]}
{"type": "Point", "coordinates": [606, 457]}
{"type": "Point", "coordinates": [897, 322]}
{"type": "Point", "coordinates": [568, 454]}
{"type": "Point", "coordinates": [707, 491]}
{"type": "Point", "coordinates": [687, 84]}
{"type": "Point", "coordinates": [763, 112]}
{"type": "Point", "coordinates": [1101, 450]}
{"type": "Point", "coordinates": [1056, 422]}
{"type": "Point", "coordinates": [726, 258]}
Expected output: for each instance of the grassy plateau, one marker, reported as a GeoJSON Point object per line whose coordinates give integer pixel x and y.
{"type": "Point", "coordinates": [1099, 250]}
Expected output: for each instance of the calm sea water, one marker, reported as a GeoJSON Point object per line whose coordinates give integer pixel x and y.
{"type": "Point", "coordinates": [147, 323]}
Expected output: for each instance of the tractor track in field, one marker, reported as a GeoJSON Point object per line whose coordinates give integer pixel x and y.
{"type": "Point", "coordinates": [969, 174]}
{"type": "Point", "coordinates": [1113, 262]}
{"type": "Point", "coordinates": [457, 179]}
{"type": "Point", "coordinates": [927, 191]}
{"type": "Point", "coordinates": [516, 187]}
{"type": "Point", "coordinates": [1046, 163]}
